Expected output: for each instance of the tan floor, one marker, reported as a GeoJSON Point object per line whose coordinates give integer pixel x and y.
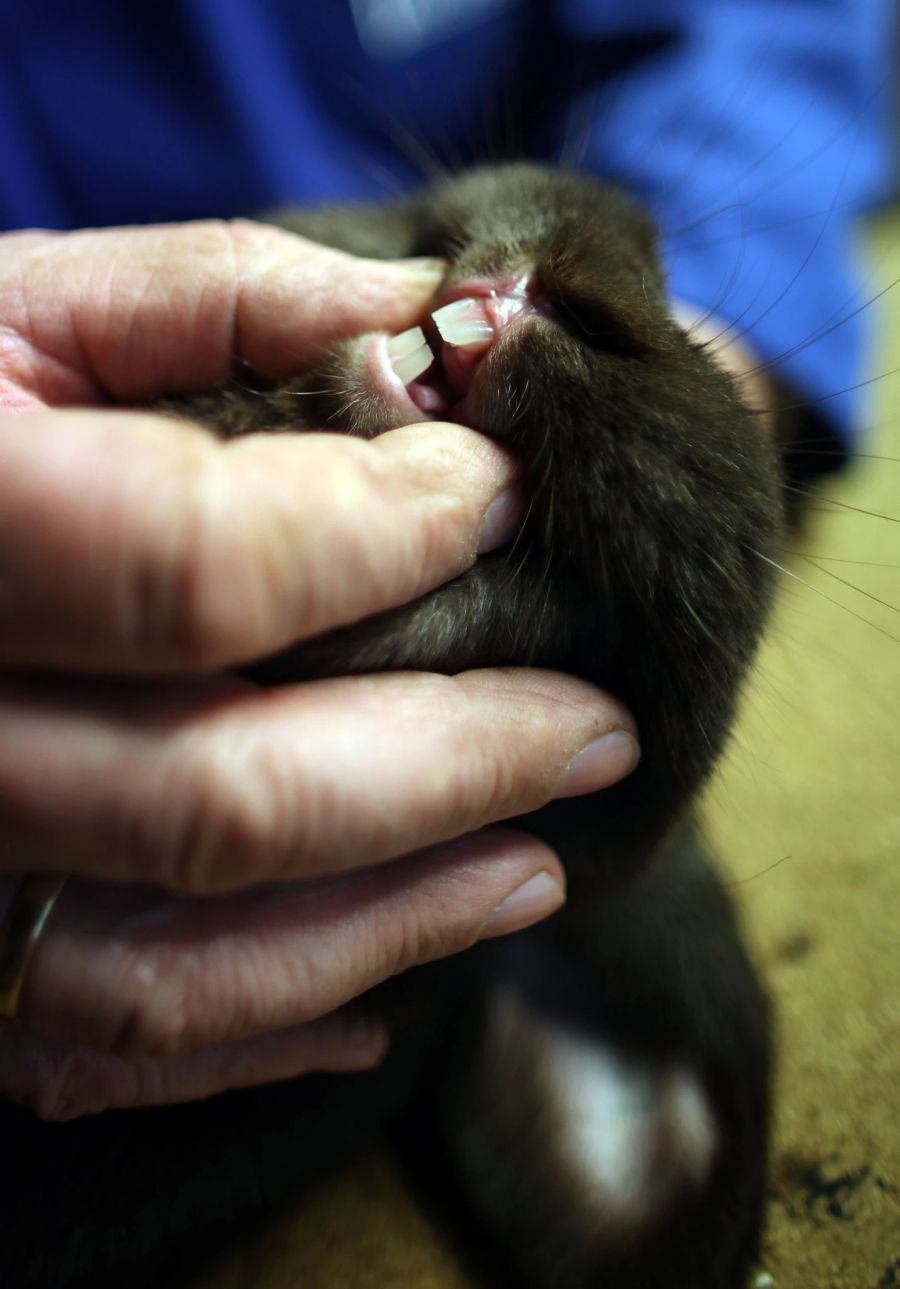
{"type": "Point", "coordinates": [814, 775]}
{"type": "Point", "coordinates": [813, 780]}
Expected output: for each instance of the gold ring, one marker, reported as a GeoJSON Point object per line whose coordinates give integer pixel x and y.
{"type": "Point", "coordinates": [20, 931]}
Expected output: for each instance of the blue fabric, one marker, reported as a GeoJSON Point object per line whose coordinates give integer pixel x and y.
{"type": "Point", "coordinates": [755, 129]}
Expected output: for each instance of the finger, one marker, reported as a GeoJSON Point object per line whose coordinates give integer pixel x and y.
{"type": "Point", "coordinates": [134, 972]}
{"type": "Point", "coordinates": [210, 787]}
{"type": "Point", "coordinates": [136, 543]}
{"type": "Point", "coordinates": [60, 1082]}
{"type": "Point", "coordinates": [297, 296]}
{"type": "Point", "coordinates": [130, 313]}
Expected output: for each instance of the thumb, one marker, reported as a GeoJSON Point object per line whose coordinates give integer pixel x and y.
{"type": "Point", "coordinates": [131, 313]}
{"type": "Point", "coordinates": [298, 296]}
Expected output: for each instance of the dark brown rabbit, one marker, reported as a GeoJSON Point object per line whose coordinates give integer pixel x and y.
{"type": "Point", "coordinates": [597, 1087]}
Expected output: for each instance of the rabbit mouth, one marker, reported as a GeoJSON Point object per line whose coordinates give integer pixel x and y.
{"type": "Point", "coordinates": [430, 369]}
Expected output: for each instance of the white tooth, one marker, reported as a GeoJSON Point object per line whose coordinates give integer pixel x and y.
{"type": "Point", "coordinates": [466, 333]}
{"type": "Point", "coordinates": [463, 322]}
{"type": "Point", "coordinates": [411, 365]}
{"type": "Point", "coordinates": [459, 309]}
{"type": "Point", "coordinates": [405, 343]}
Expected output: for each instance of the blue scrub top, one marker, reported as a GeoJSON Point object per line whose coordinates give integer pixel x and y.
{"type": "Point", "coordinates": [755, 129]}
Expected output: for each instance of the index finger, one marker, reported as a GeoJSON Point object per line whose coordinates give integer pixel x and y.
{"type": "Point", "coordinates": [132, 542]}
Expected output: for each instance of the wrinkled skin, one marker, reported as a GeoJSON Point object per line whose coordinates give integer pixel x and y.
{"type": "Point", "coordinates": [642, 566]}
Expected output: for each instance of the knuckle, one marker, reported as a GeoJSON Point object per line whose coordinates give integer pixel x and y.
{"type": "Point", "coordinates": [179, 599]}
{"type": "Point", "coordinates": [491, 778]}
{"type": "Point", "coordinates": [444, 543]}
{"type": "Point", "coordinates": [205, 837]}
{"type": "Point", "coordinates": [406, 947]}
{"type": "Point", "coordinates": [425, 934]}
{"type": "Point", "coordinates": [153, 1024]}
{"type": "Point", "coordinates": [516, 764]}
{"type": "Point", "coordinates": [205, 614]}
{"type": "Point", "coordinates": [230, 820]}
{"type": "Point", "coordinates": [154, 1007]}
{"type": "Point", "coordinates": [488, 785]}
{"type": "Point", "coordinates": [502, 780]}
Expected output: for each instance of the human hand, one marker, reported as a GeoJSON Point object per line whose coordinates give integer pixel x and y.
{"type": "Point", "coordinates": [229, 846]}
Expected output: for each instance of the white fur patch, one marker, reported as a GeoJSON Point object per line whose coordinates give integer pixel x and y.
{"type": "Point", "coordinates": [633, 1135]}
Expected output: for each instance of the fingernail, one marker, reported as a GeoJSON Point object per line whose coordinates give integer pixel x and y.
{"type": "Point", "coordinates": [424, 273]}
{"type": "Point", "coordinates": [502, 519]}
{"type": "Point", "coordinates": [535, 899]}
{"type": "Point", "coordinates": [602, 763]}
